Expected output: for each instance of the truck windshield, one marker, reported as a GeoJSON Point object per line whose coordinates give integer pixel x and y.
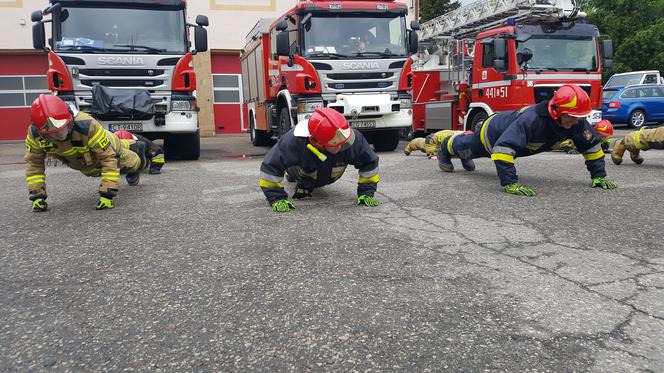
{"type": "Point", "coordinates": [624, 80]}
{"type": "Point", "coordinates": [122, 31]}
{"type": "Point", "coordinates": [561, 54]}
{"type": "Point", "coordinates": [351, 36]}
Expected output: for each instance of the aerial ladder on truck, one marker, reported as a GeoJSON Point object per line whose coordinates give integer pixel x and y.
{"type": "Point", "coordinates": [474, 61]}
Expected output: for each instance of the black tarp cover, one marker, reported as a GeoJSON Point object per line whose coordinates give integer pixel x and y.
{"type": "Point", "coordinates": [121, 102]}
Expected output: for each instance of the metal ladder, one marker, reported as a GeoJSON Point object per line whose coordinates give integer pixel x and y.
{"type": "Point", "coordinates": [484, 14]}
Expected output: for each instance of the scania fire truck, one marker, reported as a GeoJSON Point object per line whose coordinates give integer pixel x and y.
{"type": "Point", "coordinates": [492, 56]}
{"type": "Point", "coordinates": [128, 63]}
{"type": "Point", "coordinates": [353, 56]}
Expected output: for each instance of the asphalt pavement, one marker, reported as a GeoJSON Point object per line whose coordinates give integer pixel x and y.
{"type": "Point", "coordinates": [192, 271]}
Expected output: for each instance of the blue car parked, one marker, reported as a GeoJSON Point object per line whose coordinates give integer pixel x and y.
{"type": "Point", "coordinates": [635, 105]}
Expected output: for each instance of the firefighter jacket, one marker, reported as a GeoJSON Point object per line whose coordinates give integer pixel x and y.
{"type": "Point", "coordinates": [89, 148]}
{"type": "Point", "coordinates": [531, 130]}
{"type": "Point", "coordinates": [324, 168]}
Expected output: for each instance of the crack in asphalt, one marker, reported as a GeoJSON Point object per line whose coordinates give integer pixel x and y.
{"type": "Point", "coordinates": [547, 240]}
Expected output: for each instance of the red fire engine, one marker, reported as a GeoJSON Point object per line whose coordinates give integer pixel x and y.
{"type": "Point", "coordinates": [492, 56]}
{"type": "Point", "coordinates": [353, 56]}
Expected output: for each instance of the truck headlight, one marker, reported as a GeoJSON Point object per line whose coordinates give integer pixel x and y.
{"type": "Point", "coordinates": [309, 107]}
{"type": "Point", "coordinates": [405, 103]}
{"type": "Point", "coordinates": [182, 105]}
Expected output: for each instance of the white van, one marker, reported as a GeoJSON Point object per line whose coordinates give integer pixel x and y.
{"type": "Point", "coordinates": [618, 81]}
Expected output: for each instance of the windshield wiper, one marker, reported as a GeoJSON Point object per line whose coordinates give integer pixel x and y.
{"type": "Point", "coordinates": [584, 69]}
{"type": "Point", "coordinates": [381, 54]}
{"type": "Point", "coordinates": [540, 69]}
{"type": "Point", "coordinates": [144, 47]}
{"type": "Point", "coordinates": [323, 54]}
{"type": "Point", "coordinates": [81, 48]}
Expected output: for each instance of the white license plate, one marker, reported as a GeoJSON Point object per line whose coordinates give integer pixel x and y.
{"type": "Point", "coordinates": [363, 124]}
{"type": "Point", "coordinates": [126, 126]}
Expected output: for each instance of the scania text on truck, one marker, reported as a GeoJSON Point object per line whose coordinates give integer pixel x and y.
{"type": "Point", "coordinates": [493, 56]}
{"type": "Point", "coordinates": [126, 51]}
{"type": "Point", "coordinates": [353, 56]}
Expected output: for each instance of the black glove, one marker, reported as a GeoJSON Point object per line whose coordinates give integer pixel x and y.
{"type": "Point", "coordinates": [301, 193]}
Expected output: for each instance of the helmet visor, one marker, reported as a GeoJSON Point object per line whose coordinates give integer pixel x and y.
{"type": "Point", "coordinates": [54, 125]}
{"type": "Point", "coordinates": [341, 136]}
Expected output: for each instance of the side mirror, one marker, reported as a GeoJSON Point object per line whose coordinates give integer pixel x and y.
{"type": "Point", "coordinates": [281, 25]}
{"type": "Point", "coordinates": [414, 25]}
{"type": "Point", "coordinates": [64, 14]}
{"type": "Point", "coordinates": [38, 36]}
{"type": "Point", "coordinates": [413, 42]}
{"type": "Point", "coordinates": [202, 20]}
{"type": "Point", "coordinates": [607, 49]}
{"type": "Point", "coordinates": [201, 39]}
{"type": "Point", "coordinates": [36, 16]}
{"type": "Point", "coordinates": [608, 64]}
{"type": "Point", "coordinates": [524, 56]}
{"type": "Point", "coordinates": [283, 45]}
{"type": "Point", "coordinates": [499, 48]}
{"type": "Point", "coordinates": [499, 64]}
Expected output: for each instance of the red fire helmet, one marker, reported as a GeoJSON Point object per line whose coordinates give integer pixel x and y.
{"type": "Point", "coordinates": [50, 114]}
{"type": "Point", "coordinates": [124, 135]}
{"type": "Point", "coordinates": [604, 127]}
{"type": "Point", "coordinates": [328, 127]}
{"type": "Point", "coordinates": [570, 99]}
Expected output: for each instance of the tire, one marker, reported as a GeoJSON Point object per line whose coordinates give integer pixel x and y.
{"type": "Point", "coordinates": [258, 137]}
{"type": "Point", "coordinates": [284, 121]}
{"type": "Point", "coordinates": [385, 141]}
{"type": "Point", "coordinates": [184, 146]}
{"type": "Point", "coordinates": [637, 119]}
{"type": "Point", "coordinates": [478, 119]}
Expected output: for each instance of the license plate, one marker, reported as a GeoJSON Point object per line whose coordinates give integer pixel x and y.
{"type": "Point", "coordinates": [126, 126]}
{"type": "Point", "coordinates": [363, 124]}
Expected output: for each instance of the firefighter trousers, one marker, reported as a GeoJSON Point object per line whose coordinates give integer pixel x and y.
{"type": "Point", "coordinates": [465, 146]}
{"type": "Point", "coordinates": [643, 139]}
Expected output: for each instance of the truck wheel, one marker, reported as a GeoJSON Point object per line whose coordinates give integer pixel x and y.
{"type": "Point", "coordinates": [284, 121]}
{"type": "Point", "coordinates": [258, 137]}
{"type": "Point", "coordinates": [184, 146]}
{"type": "Point", "coordinates": [385, 141]}
{"type": "Point", "coordinates": [478, 119]}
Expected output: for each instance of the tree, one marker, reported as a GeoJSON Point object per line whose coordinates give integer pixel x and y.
{"type": "Point", "coordinates": [433, 8]}
{"type": "Point", "coordinates": [636, 28]}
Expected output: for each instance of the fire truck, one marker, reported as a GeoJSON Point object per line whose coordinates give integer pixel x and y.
{"type": "Point", "coordinates": [353, 56]}
{"type": "Point", "coordinates": [492, 56]}
{"type": "Point", "coordinates": [128, 63]}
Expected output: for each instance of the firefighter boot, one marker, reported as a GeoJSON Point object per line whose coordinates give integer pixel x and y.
{"type": "Point", "coordinates": [635, 156]}
{"type": "Point", "coordinates": [444, 157]}
{"type": "Point", "coordinates": [618, 151]}
{"type": "Point", "coordinates": [133, 178]}
{"type": "Point", "coordinates": [468, 164]}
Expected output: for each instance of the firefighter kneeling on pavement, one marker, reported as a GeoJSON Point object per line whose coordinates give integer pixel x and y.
{"type": "Point", "coordinates": [80, 142]}
{"type": "Point", "coordinates": [531, 130]}
{"type": "Point", "coordinates": [153, 152]}
{"type": "Point", "coordinates": [430, 144]}
{"type": "Point", "coordinates": [315, 153]}
{"type": "Point", "coordinates": [643, 139]}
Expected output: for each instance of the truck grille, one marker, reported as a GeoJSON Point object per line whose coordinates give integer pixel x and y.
{"type": "Point", "coordinates": [121, 72]}
{"type": "Point", "coordinates": [364, 85]}
{"type": "Point", "coordinates": [123, 83]}
{"type": "Point", "coordinates": [546, 93]}
{"type": "Point", "coordinates": [354, 76]}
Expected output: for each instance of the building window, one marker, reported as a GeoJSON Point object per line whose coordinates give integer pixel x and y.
{"type": "Point", "coordinates": [227, 88]}
{"type": "Point", "coordinates": [20, 91]}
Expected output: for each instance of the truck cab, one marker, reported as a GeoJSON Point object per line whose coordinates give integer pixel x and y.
{"type": "Point", "coordinates": [107, 56]}
{"type": "Point", "coordinates": [347, 55]}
